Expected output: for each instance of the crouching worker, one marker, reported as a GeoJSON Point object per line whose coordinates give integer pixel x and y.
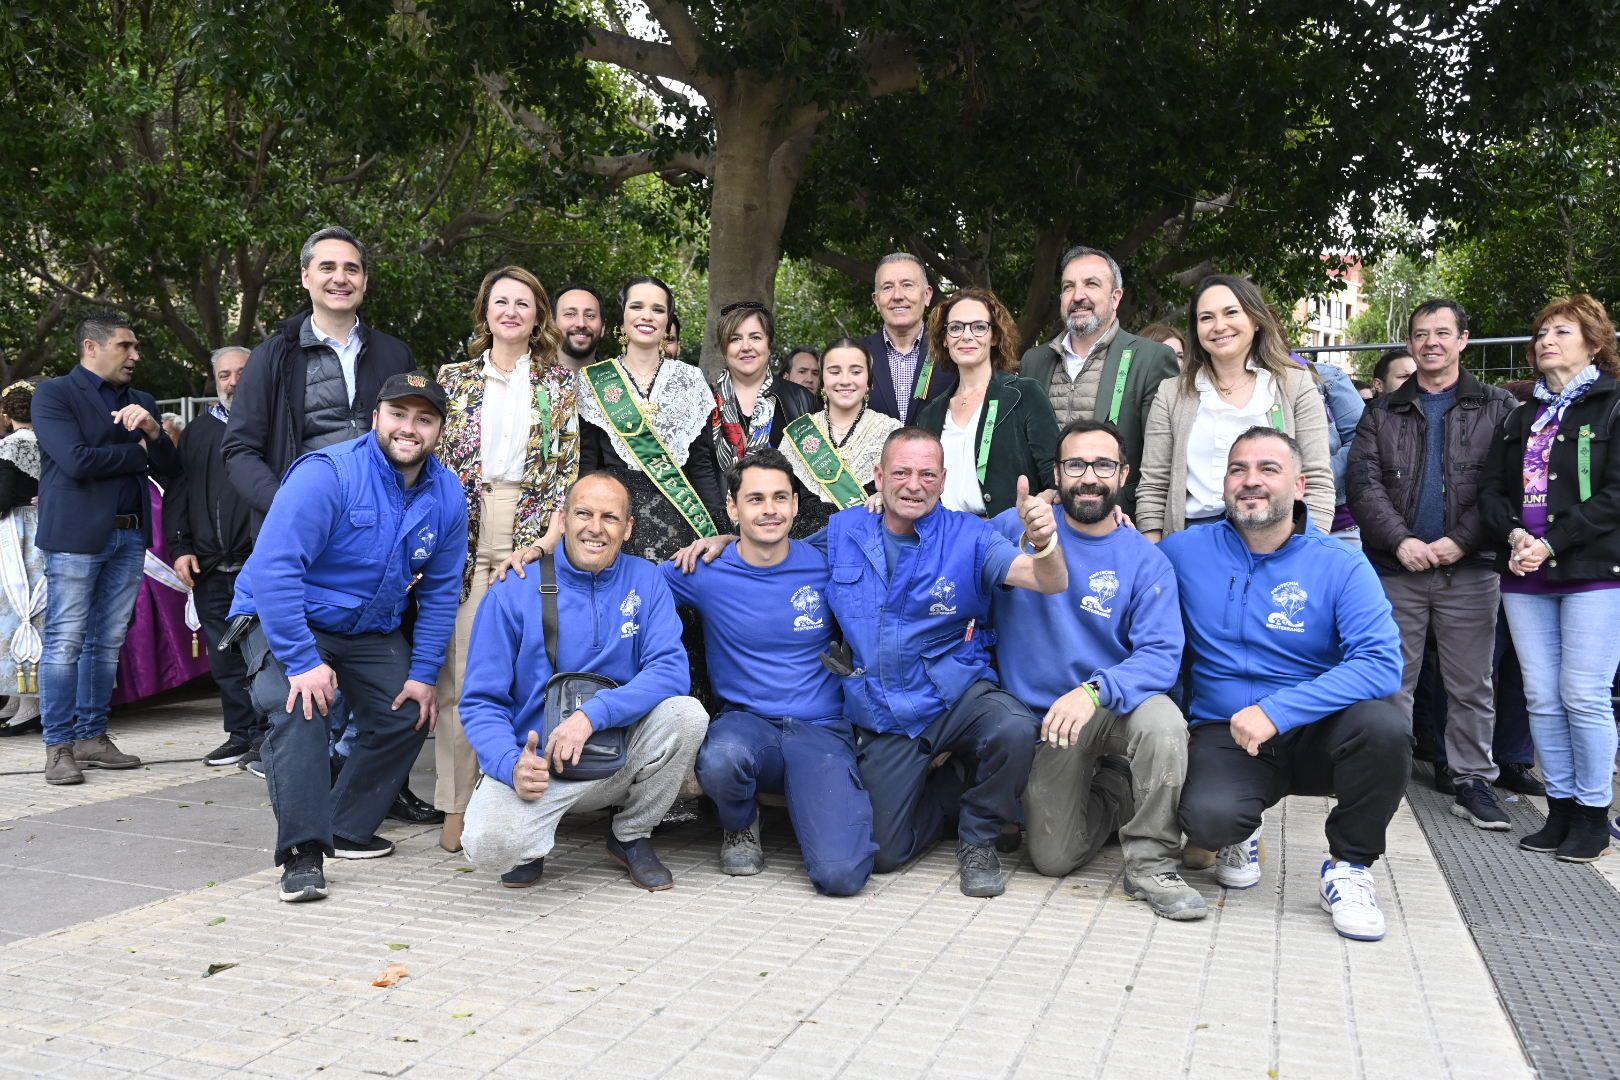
{"type": "Point", "coordinates": [615, 618]}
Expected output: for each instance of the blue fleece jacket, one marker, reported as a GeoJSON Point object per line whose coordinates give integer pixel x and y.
{"type": "Point", "coordinates": [1119, 622]}
{"type": "Point", "coordinates": [342, 547]}
{"type": "Point", "coordinates": [765, 628]}
{"type": "Point", "coordinates": [620, 623]}
{"type": "Point", "coordinates": [1303, 631]}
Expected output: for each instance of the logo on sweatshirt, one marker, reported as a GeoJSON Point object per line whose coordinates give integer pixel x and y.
{"type": "Point", "coordinates": [424, 542]}
{"type": "Point", "coordinates": [629, 608]}
{"type": "Point", "coordinates": [1104, 587]}
{"type": "Point", "coordinates": [944, 595]}
{"type": "Point", "coordinates": [807, 601]}
{"type": "Point", "coordinates": [1290, 599]}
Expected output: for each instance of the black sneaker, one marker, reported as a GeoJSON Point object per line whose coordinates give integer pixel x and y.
{"type": "Point", "coordinates": [413, 811]}
{"type": "Point", "coordinates": [525, 874]}
{"type": "Point", "coordinates": [253, 762]}
{"type": "Point", "coordinates": [229, 752]}
{"type": "Point", "coordinates": [1519, 779]}
{"type": "Point", "coordinates": [1476, 803]}
{"type": "Point", "coordinates": [375, 848]}
{"type": "Point", "coordinates": [302, 877]}
{"type": "Point", "coordinates": [639, 858]}
{"type": "Point", "coordinates": [981, 870]}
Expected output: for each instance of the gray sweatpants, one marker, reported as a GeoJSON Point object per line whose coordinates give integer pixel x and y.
{"type": "Point", "coordinates": [503, 830]}
{"type": "Point", "coordinates": [1460, 603]}
{"type": "Point", "coordinates": [1071, 805]}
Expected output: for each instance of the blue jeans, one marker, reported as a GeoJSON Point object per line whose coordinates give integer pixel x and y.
{"type": "Point", "coordinates": [1567, 690]}
{"type": "Point", "coordinates": [88, 605]}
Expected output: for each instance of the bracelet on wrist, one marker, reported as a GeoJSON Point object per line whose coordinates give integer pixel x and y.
{"type": "Point", "coordinates": [1091, 692]}
{"type": "Point", "coordinates": [1051, 546]}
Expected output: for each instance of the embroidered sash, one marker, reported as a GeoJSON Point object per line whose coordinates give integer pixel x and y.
{"type": "Point", "coordinates": [838, 485]}
{"type": "Point", "coordinates": [622, 408]}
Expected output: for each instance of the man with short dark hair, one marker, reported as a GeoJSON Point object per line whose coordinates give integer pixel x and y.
{"type": "Point", "coordinates": [903, 379]}
{"type": "Point", "coordinates": [99, 440]}
{"type": "Point", "coordinates": [578, 311]}
{"type": "Point", "coordinates": [1097, 663]}
{"type": "Point", "coordinates": [1413, 481]}
{"type": "Point", "coordinates": [1393, 368]}
{"type": "Point", "coordinates": [210, 539]}
{"type": "Point", "coordinates": [357, 529]}
{"type": "Point", "coordinates": [615, 619]}
{"type": "Point", "coordinates": [1095, 368]}
{"type": "Point", "coordinates": [1290, 653]}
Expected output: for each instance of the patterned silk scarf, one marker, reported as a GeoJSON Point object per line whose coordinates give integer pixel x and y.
{"type": "Point", "coordinates": [731, 439]}
{"type": "Point", "coordinates": [1572, 392]}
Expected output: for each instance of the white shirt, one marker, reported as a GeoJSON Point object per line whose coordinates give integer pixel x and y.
{"type": "Point", "coordinates": [1214, 430]}
{"type": "Point", "coordinates": [348, 351]}
{"type": "Point", "coordinates": [961, 470]}
{"type": "Point", "coordinates": [505, 420]}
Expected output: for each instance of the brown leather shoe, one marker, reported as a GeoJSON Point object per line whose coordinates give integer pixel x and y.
{"type": "Point", "coordinates": [450, 835]}
{"type": "Point", "coordinates": [60, 768]}
{"type": "Point", "coordinates": [100, 753]}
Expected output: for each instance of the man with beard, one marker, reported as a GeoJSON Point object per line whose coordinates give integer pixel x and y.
{"type": "Point", "coordinates": [352, 530]}
{"type": "Point", "coordinates": [1096, 663]}
{"type": "Point", "coordinates": [578, 314]}
{"type": "Point", "coordinates": [1291, 650]}
{"type": "Point", "coordinates": [1094, 368]}
{"type": "Point", "coordinates": [210, 538]}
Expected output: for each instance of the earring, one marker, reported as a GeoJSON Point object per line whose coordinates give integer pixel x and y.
{"type": "Point", "coordinates": [618, 335]}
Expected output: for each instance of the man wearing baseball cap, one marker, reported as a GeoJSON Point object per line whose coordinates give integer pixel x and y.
{"type": "Point", "coordinates": [352, 530]}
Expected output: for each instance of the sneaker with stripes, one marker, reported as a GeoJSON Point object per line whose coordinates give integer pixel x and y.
{"type": "Point", "coordinates": [1351, 897]}
{"type": "Point", "coordinates": [1238, 865]}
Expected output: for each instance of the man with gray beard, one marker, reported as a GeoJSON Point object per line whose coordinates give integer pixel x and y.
{"type": "Point", "coordinates": [1094, 369]}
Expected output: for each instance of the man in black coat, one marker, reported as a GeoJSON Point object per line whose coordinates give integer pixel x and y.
{"type": "Point", "coordinates": [210, 537]}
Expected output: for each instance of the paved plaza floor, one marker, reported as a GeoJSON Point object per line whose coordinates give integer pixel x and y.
{"type": "Point", "coordinates": [142, 935]}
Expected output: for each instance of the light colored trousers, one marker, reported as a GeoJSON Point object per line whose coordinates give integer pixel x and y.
{"type": "Point", "coordinates": [454, 762]}
{"type": "Point", "coordinates": [1072, 804]}
{"type": "Point", "coordinates": [503, 830]}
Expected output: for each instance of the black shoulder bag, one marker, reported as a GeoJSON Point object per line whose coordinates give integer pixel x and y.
{"type": "Point", "coordinates": [605, 752]}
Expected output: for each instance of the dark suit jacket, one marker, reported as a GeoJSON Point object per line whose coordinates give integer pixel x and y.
{"type": "Point", "coordinates": [940, 385]}
{"type": "Point", "coordinates": [1151, 363]}
{"type": "Point", "coordinates": [85, 457]}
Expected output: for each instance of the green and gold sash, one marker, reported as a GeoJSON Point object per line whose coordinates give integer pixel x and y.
{"type": "Point", "coordinates": [828, 467]}
{"type": "Point", "coordinates": [623, 410]}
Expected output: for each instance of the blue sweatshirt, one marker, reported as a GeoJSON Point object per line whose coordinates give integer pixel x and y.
{"type": "Point", "coordinates": [1119, 622]}
{"type": "Point", "coordinates": [765, 628]}
{"type": "Point", "coordinates": [620, 623]}
{"type": "Point", "coordinates": [342, 548]}
{"type": "Point", "coordinates": [1303, 632]}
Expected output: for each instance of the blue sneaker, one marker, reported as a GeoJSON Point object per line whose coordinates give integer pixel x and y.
{"type": "Point", "coordinates": [1349, 895]}
{"type": "Point", "coordinates": [1238, 865]}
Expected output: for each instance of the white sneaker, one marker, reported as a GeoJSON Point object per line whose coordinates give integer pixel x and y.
{"type": "Point", "coordinates": [1238, 865]}
{"type": "Point", "coordinates": [1351, 897]}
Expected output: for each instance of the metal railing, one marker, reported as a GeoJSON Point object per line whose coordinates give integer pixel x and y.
{"type": "Point", "coordinates": [185, 407]}
{"type": "Point", "coordinates": [1496, 360]}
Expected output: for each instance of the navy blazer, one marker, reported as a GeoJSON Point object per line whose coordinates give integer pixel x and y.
{"type": "Point", "coordinates": [84, 457]}
{"type": "Point", "coordinates": [882, 399]}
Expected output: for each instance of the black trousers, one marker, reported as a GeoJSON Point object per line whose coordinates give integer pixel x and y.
{"type": "Point", "coordinates": [213, 592]}
{"type": "Point", "coordinates": [991, 738]}
{"type": "Point", "coordinates": [1362, 754]}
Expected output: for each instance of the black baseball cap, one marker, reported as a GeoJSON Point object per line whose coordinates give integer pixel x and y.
{"type": "Point", "coordinates": [417, 384]}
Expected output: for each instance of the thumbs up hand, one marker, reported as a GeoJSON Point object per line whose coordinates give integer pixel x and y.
{"type": "Point", "coordinates": [531, 775]}
{"type": "Point", "coordinates": [1040, 523]}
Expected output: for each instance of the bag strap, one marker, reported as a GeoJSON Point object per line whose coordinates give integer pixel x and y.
{"type": "Point", "coordinates": [548, 606]}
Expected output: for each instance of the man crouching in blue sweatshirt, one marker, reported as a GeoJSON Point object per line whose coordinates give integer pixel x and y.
{"type": "Point", "coordinates": [1096, 663]}
{"type": "Point", "coordinates": [616, 618]}
{"type": "Point", "coordinates": [1291, 644]}
{"type": "Point", "coordinates": [352, 529]}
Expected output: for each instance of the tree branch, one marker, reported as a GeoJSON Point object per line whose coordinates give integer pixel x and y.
{"type": "Point", "coordinates": [1145, 230]}
{"type": "Point", "coordinates": [682, 31]}
{"type": "Point", "coordinates": [887, 67]}
{"type": "Point", "coordinates": [652, 58]}
{"type": "Point", "coordinates": [859, 269]}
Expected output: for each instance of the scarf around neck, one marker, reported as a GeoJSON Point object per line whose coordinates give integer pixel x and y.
{"type": "Point", "coordinates": [732, 439]}
{"type": "Point", "coordinates": [1572, 392]}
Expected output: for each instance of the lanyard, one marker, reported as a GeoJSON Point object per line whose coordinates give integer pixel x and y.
{"type": "Point", "coordinates": [1584, 457]}
{"type": "Point", "coordinates": [1119, 386]}
{"type": "Point", "coordinates": [982, 458]}
{"type": "Point", "coordinates": [1276, 416]}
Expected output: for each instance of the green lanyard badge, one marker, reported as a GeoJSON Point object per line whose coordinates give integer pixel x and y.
{"type": "Point", "coordinates": [982, 459]}
{"type": "Point", "coordinates": [1584, 457]}
{"type": "Point", "coordinates": [1119, 386]}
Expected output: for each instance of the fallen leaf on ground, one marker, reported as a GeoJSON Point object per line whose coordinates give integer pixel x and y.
{"type": "Point", "coordinates": [394, 946]}
{"type": "Point", "coordinates": [216, 920]}
{"type": "Point", "coordinates": [209, 884]}
{"type": "Point", "coordinates": [405, 1038]}
{"type": "Point", "coordinates": [459, 1016]}
{"type": "Point", "coordinates": [184, 805]}
{"type": "Point", "coordinates": [391, 975]}
{"type": "Point", "coordinates": [583, 990]}
{"type": "Point", "coordinates": [464, 869]}
{"type": "Point", "coordinates": [215, 969]}
{"type": "Point", "coordinates": [118, 819]}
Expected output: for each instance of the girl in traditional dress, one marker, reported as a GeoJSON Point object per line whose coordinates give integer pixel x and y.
{"type": "Point", "coordinates": [834, 452]}
{"type": "Point", "coordinates": [22, 565]}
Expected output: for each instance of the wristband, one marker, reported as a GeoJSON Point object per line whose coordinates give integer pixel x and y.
{"type": "Point", "coordinates": [1091, 692]}
{"type": "Point", "coordinates": [1550, 552]}
{"type": "Point", "coordinates": [1051, 546]}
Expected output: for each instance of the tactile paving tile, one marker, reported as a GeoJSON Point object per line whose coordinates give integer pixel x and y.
{"type": "Point", "coordinates": [1549, 933]}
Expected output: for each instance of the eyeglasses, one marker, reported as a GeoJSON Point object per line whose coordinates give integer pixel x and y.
{"type": "Point", "coordinates": [977, 329]}
{"type": "Point", "coordinates": [1075, 467]}
{"type": "Point", "coordinates": [743, 305]}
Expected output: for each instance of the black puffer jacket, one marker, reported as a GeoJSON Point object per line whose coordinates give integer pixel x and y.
{"type": "Point", "coordinates": [1385, 473]}
{"type": "Point", "coordinates": [1583, 533]}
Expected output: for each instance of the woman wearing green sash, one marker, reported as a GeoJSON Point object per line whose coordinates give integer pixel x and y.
{"type": "Point", "coordinates": [645, 418]}
{"type": "Point", "coordinates": [997, 425]}
{"type": "Point", "coordinates": [834, 452]}
{"type": "Point", "coordinates": [1238, 375]}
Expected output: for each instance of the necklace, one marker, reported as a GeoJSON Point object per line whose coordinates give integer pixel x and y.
{"type": "Point", "coordinates": [646, 395]}
{"type": "Point", "coordinates": [1227, 391]}
{"type": "Point", "coordinates": [849, 431]}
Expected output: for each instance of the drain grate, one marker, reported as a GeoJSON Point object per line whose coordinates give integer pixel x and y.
{"type": "Point", "coordinates": [1549, 933]}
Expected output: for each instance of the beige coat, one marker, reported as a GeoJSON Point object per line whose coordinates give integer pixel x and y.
{"type": "Point", "coordinates": [1161, 491]}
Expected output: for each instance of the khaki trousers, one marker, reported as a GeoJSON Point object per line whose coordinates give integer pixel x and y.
{"type": "Point", "coordinates": [453, 757]}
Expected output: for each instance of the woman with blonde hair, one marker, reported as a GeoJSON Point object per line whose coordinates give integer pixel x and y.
{"type": "Point", "coordinates": [1238, 374]}
{"type": "Point", "coordinates": [512, 437]}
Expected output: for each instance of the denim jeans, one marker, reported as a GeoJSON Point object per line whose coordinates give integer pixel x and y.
{"type": "Point", "coordinates": [1567, 690]}
{"type": "Point", "coordinates": [88, 606]}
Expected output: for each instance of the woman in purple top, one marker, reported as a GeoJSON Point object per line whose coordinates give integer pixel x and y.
{"type": "Point", "coordinates": [1551, 491]}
